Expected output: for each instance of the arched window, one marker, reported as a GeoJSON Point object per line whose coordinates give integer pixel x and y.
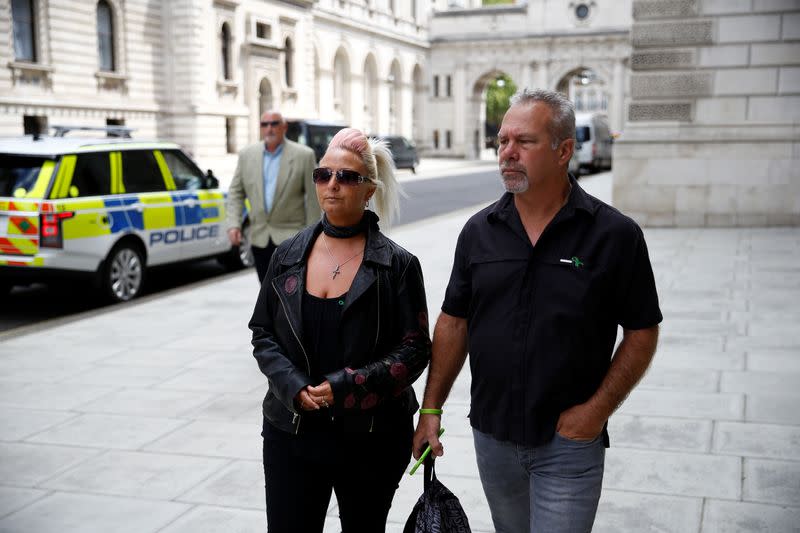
{"type": "Point", "coordinates": [264, 97]}
{"type": "Point", "coordinates": [341, 84]}
{"type": "Point", "coordinates": [24, 30]}
{"type": "Point", "coordinates": [225, 52]}
{"type": "Point", "coordinates": [288, 61]}
{"type": "Point", "coordinates": [105, 36]}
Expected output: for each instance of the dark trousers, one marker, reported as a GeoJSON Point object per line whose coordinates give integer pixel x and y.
{"type": "Point", "coordinates": [363, 469]}
{"type": "Point", "coordinates": [262, 256]}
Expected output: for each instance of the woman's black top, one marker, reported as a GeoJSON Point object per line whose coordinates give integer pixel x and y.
{"type": "Point", "coordinates": [321, 317]}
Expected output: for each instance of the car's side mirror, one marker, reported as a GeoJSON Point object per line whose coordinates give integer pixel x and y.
{"type": "Point", "coordinates": [211, 181]}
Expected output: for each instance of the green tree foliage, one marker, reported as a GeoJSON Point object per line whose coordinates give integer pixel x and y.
{"type": "Point", "coordinates": [498, 93]}
{"type": "Point", "coordinates": [497, 2]}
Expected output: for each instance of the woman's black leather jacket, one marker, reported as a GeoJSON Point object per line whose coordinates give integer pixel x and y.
{"type": "Point", "coordinates": [383, 334]}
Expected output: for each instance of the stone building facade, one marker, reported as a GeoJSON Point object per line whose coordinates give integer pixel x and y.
{"type": "Point", "coordinates": [200, 72]}
{"type": "Point", "coordinates": [712, 136]}
{"type": "Point", "coordinates": [539, 44]}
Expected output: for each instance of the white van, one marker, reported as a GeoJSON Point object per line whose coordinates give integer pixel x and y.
{"type": "Point", "coordinates": [593, 141]}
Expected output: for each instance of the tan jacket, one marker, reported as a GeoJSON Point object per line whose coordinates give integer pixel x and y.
{"type": "Point", "coordinates": [295, 203]}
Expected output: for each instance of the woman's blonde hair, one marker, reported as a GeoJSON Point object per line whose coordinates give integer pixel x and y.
{"type": "Point", "coordinates": [377, 159]}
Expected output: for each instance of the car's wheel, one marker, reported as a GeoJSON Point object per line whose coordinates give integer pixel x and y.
{"type": "Point", "coordinates": [123, 273]}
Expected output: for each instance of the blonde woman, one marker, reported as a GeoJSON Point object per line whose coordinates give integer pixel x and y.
{"type": "Point", "coordinates": [340, 329]}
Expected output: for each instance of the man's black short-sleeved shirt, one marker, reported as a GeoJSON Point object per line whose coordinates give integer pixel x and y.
{"type": "Point", "coordinates": [542, 320]}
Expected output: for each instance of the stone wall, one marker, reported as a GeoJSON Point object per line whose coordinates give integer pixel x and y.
{"type": "Point", "coordinates": [712, 136]}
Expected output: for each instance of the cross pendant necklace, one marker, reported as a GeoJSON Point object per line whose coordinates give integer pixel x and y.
{"type": "Point", "coordinates": [335, 271]}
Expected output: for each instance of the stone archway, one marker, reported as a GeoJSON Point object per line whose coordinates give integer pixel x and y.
{"type": "Point", "coordinates": [417, 106]}
{"type": "Point", "coordinates": [587, 88]}
{"type": "Point", "coordinates": [395, 81]}
{"type": "Point", "coordinates": [371, 90]}
{"type": "Point", "coordinates": [341, 84]}
{"type": "Point", "coordinates": [475, 141]}
{"type": "Point", "coordinates": [265, 98]}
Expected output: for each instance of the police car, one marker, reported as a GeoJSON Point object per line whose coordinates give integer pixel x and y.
{"type": "Point", "coordinates": [105, 206]}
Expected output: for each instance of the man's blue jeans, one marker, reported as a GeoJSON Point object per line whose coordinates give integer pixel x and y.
{"type": "Point", "coordinates": [552, 488]}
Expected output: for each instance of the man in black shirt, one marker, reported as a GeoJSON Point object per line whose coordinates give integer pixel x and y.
{"type": "Point", "coordinates": [541, 279]}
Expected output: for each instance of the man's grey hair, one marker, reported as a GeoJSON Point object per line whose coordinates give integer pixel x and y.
{"type": "Point", "coordinates": [563, 124]}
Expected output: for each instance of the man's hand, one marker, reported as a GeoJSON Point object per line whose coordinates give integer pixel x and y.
{"type": "Point", "coordinates": [580, 423]}
{"type": "Point", "coordinates": [427, 432]}
{"type": "Point", "coordinates": [235, 236]}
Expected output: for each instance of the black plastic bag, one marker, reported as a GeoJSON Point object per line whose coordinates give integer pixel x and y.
{"type": "Point", "coordinates": [437, 510]}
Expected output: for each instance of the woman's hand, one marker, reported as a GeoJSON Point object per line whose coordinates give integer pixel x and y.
{"type": "Point", "coordinates": [306, 401]}
{"type": "Point", "coordinates": [322, 394]}
{"type": "Point", "coordinates": [314, 398]}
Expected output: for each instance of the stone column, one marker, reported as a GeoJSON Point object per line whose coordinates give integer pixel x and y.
{"type": "Point", "coordinates": [462, 129]}
{"type": "Point", "coordinates": [618, 97]}
{"type": "Point", "coordinates": [543, 73]}
{"type": "Point", "coordinates": [527, 75]}
{"type": "Point", "coordinates": [712, 136]}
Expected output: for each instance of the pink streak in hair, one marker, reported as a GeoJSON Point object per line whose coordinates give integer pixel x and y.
{"type": "Point", "coordinates": [350, 139]}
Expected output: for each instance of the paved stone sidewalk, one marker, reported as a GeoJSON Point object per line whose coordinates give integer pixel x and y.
{"type": "Point", "coordinates": [146, 418]}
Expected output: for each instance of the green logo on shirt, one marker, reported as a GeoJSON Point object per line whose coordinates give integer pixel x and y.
{"type": "Point", "coordinates": [577, 262]}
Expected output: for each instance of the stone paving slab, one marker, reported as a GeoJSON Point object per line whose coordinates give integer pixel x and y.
{"type": "Point", "coordinates": [27, 465]}
{"type": "Point", "coordinates": [753, 382]}
{"type": "Point", "coordinates": [207, 519]}
{"type": "Point", "coordinates": [148, 402]}
{"type": "Point", "coordinates": [677, 474]}
{"type": "Point", "coordinates": [83, 513]}
{"type": "Point", "coordinates": [757, 440]}
{"type": "Point", "coordinates": [716, 406]}
{"type": "Point", "coordinates": [630, 511]}
{"type": "Point", "coordinates": [147, 476]}
{"type": "Point", "coordinates": [240, 484]}
{"type": "Point", "coordinates": [694, 379]}
{"type": "Point", "coordinates": [54, 396]}
{"type": "Point", "coordinates": [774, 408]}
{"type": "Point", "coordinates": [123, 376]}
{"type": "Point", "coordinates": [108, 431]}
{"type": "Point", "coordinates": [746, 517]}
{"type": "Point", "coordinates": [17, 423]}
{"type": "Point", "coordinates": [769, 481]}
{"type": "Point", "coordinates": [12, 499]}
{"type": "Point", "coordinates": [660, 433]}
{"type": "Point", "coordinates": [213, 439]}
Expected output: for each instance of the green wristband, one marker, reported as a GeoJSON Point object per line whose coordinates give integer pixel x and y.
{"type": "Point", "coordinates": [430, 411]}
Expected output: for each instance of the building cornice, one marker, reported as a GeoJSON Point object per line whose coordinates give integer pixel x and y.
{"type": "Point", "coordinates": [576, 36]}
{"type": "Point", "coordinates": [486, 10]}
{"type": "Point", "coordinates": [369, 31]}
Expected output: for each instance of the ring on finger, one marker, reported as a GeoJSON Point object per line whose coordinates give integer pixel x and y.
{"type": "Point", "coordinates": [325, 403]}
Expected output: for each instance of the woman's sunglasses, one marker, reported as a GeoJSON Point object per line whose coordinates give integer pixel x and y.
{"type": "Point", "coordinates": [343, 176]}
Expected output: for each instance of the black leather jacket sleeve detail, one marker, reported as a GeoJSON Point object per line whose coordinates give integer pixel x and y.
{"type": "Point", "coordinates": [365, 387]}
{"type": "Point", "coordinates": [286, 380]}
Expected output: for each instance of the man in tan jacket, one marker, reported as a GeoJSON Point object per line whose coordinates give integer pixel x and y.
{"type": "Point", "coordinates": [275, 176]}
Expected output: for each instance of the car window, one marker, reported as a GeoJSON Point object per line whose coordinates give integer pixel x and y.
{"type": "Point", "coordinates": [18, 172]}
{"type": "Point", "coordinates": [92, 175]}
{"type": "Point", "coordinates": [186, 175]}
{"type": "Point", "coordinates": [140, 172]}
{"type": "Point", "coordinates": [320, 136]}
{"type": "Point", "coordinates": [294, 132]}
{"type": "Point", "coordinates": [583, 134]}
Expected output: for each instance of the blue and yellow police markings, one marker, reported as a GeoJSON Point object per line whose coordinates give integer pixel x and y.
{"type": "Point", "coordinates": [183, 234]}
{"type": "Point", "coordinates": [195, 219]}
